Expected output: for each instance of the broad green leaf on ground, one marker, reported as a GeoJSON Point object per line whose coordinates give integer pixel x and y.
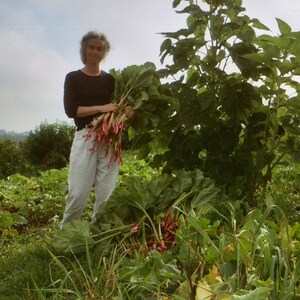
{"type": "Point", "coordinates": [74, 236]}
{"type": "Point", "coordinates": [261, 293]}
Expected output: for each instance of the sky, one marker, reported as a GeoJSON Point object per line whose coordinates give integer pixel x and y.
{"type": "Point", "coordinates": [39, 45]}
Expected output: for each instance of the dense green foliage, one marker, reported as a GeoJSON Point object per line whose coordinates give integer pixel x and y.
{"type": "Point", "coordinates": [236, 109]}
{"type": "Point", "coordinates": [34, 201]}
{"type": "Point", "coordinates": [27, 202]}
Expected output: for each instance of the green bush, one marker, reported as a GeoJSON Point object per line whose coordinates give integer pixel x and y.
{"type": "Point", "coordinates": [49, 145]}
{"type": "Point", "coordinates": [11, 158]}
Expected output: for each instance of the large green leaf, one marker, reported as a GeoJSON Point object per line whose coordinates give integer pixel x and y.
{"type": "Point", "coordinates": [261, 293]}
{"type": "Point", "coordinates": [262, 57]}
{"type": "Point", "coordinates": [133, 77]}
{"type": "Point", "coordinates": [159, 184]}
{"type": "Point", "coordinates": [257, 24]}
{"type": "Point", "coordinates": [165, 48]}
{"type": "Point", "coordinates": [143, 78]}
{"type": "Point", "coordinates": [74, 236]}
{"type": "Point", "coordinates": [239, 99]}
{"type": "Point", "coordinates": [206, 194]}
{"type": "Point", "coordinates": [191, 105]}
{"type": "Point", "coordinates": [176, 3]}
{"type": "Point", "coordinates": [294, 102]}
{"type": "Point", "coordinates": [248, 67]}
{"type": "Point", "coordinates": [283, 26]}
{"type": "Point", "coordinates": [182, 181]}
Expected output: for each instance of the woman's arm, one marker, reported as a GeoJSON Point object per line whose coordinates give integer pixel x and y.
{"type": "Point", "coordinates": [84, 111]}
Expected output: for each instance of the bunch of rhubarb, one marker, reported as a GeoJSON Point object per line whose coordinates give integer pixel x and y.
{"type": "Point", "coordinates": [131, 86]}
{"type": "Point", "coordinates": [162, 239]}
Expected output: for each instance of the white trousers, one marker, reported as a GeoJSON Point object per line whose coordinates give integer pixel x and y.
{"type": "Point", "coordinates": [88, 169]}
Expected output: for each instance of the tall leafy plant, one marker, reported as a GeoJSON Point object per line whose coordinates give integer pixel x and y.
{"type": "Point", "coordinates": [237, 100]}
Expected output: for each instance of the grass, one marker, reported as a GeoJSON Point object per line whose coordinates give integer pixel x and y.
{"type": "Point", "coordinates": [30, 269]}
{"type": "Point", "coordinates": [21, 263]}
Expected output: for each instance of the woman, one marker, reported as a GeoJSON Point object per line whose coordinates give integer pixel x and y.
{"type": "Point", "coordinates": [87, 94]}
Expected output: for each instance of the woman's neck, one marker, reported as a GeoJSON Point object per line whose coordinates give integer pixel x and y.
{"type": "Point", "coordinates": [91, 70]}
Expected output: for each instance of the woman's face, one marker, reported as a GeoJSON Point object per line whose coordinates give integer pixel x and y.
{"type": "Point", "coordinates": [94, 51]}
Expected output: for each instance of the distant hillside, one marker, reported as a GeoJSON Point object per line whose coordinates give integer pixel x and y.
{"type": "Point", "coordinates": [13, 136]}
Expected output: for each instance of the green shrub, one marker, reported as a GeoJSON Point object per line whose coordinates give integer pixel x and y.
{"type": "Point", "coordinates": [11, 158]}
{"type": "Point", "coordinates": [49, 145]}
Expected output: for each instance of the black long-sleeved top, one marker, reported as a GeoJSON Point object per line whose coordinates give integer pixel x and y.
{"type": "Point", "coordinates": [84, 90]}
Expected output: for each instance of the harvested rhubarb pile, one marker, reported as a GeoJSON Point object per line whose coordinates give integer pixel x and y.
{"type": "Point", "coordinates": [165, 238]}
{"type": "Point", "coordinates": [133, 86]}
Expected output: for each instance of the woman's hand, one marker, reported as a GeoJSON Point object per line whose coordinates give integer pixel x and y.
{"type": "Point", "coordinates": [129, 111]}
{"type": "Point", "coordinates": [108, 107]}
{"type": "Point", "coordinates": [84, 111]}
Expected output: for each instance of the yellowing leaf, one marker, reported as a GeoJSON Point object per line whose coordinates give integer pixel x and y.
{"type": "Point", "coordinates": [230, 248]}
{"type": "Point", "coordinates": [284, 138]}
{"type": "Point", "coordinates": [203, 291]}
{"type": "Point", "coordinates": [213, 276]}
